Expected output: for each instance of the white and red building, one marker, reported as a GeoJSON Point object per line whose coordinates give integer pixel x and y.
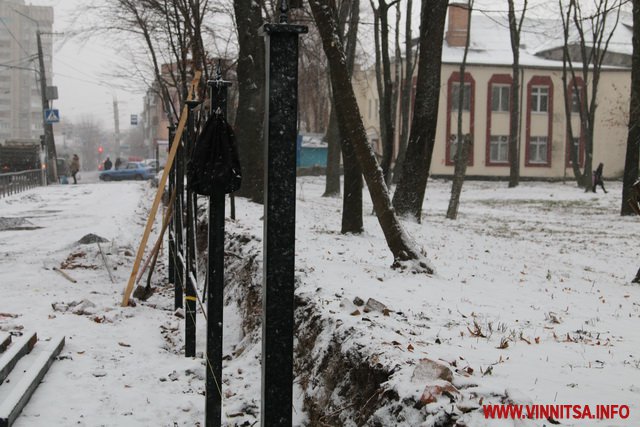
{"type": "Point", "coordinates": [544, 144]}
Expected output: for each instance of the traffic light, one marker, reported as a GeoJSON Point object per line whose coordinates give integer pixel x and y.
{"type": "Point", "coordinates": [42, 144]}
{"type": "Point", "coordinates": [100, 149]}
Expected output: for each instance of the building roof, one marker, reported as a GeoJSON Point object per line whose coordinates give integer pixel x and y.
{"type": "Point", "coordinates": [491, 41]}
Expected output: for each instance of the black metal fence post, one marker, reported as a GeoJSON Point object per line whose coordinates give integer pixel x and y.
{"type": "Point", "coordinates": [172, 233]}
{"type": "Point", "coordinates": [215, 277]}
{"type": "Point", "coordinates": [191, 274]}
{"type": "Point", "coordinates": [279, 219]}
{"type": "Point", "coordinates": [178, 224]}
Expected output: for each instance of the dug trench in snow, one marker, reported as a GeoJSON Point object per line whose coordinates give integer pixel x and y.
{"type": "Point", "coordinates": [343, 381]}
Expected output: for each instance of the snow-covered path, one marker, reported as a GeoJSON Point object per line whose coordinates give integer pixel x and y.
{"type": "Point", "coordinates": [114, 368]}
{"type": "Point", "coordinates": [531, 297]}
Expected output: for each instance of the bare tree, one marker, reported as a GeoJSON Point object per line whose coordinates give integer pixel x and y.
{"type": "Point", "coordinates": [251, 87]}
{"type": "Point", "coordinates": [593, 33]}
{"type": "Point", "coordinates": [352, 197]}
{"type": "Point", "coordinates": [633, 138]}
{"type": "Point", "coordinates": [352, 128]}
{"type": "Point", "coordinates": [384, 83]}
{"type": "Point", "coordinates": [405, 93]}
{"type": "Point", "coordinates": [515, 29]}
{"type": "Point", "coordinates": [334, 147]}
{"type": "Point", "coordinates": [464, 144]}
{"type": "Point", "coordinates": [412, 184]}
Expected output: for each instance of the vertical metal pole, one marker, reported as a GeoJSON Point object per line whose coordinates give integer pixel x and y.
{"type": "Point", "coordinates": [179, 229]}
{"type": "Point", "coordinates": [215, 277]}
{"type": "Point", "coordinates": [172, 232]}
{"type": "Point", "coordinates": [279, 220]}
{"type": "Point", "coordinates": [190, 290]}
{"type": "Point", "coordinates": [157, 153]}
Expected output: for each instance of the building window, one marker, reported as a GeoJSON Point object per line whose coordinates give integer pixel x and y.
{"type": "Point", "coordinates": [500, 98]}
{"type": "Point", "coordinates": [370, 110]}
{"type": "Point", "coordinates": [540, 99]}
{"type": "Point", "coordinates": [538, 149]}
{"type": "Point", "coordinates": [499, 149]}
{"type": "Point", "coordinates": [455, 96]}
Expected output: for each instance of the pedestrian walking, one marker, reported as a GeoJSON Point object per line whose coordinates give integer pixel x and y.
{"type": "Point", "coordinates": [118, 163]}
{"type": "Point", "coordinates": [75, 167]}
{"type": "Point", "coordinates": [597, 178]}
{"type": "Point", "coordinates": [107, 164]}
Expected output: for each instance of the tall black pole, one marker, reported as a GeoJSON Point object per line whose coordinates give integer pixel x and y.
{"type": "Point", "coordinates": [190, 289]}
{"type": "Point", "coordinates": [179, 225]}
{"type": "Point", "coordinates": [215, 277]}
{"type": "Point", "coordinates": [172, 231]}
{"type": "Point", "coordinates": [279, 219]}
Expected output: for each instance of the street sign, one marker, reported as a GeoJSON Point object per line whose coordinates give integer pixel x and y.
{"type": "Point", "coordinates": [134, 120]}
{"type": "Point", "coordinates": [52, 93]}
{"type": "Point", "coordinates": [51, 116]}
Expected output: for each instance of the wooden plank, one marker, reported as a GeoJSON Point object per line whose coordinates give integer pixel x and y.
{"type": "Point", "coordinates": [11, 407]}
{"type": "Point", "coordinates": [5, 340]}
{"type": "Point", "coordinates": [65, 275]}
{"type": "Point", "coordinates": [9, 359]}
{"type": "Point", "coordinates": [163, 181]}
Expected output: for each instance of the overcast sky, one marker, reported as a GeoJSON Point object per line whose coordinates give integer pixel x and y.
{"type": "Point", "coordinates": [81, 71]}
{"type": "Point", "coordinates": [82, 67]}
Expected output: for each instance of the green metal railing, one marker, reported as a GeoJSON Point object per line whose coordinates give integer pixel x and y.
{"type": "Point", "coordinates": [17, 182]}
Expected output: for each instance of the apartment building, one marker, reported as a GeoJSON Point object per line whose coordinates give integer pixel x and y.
{"type": "Point", "coordinates": [20, 99]}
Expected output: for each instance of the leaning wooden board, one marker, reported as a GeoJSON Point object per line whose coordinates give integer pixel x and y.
{"type": "Point", "coordinates": [193, 89]}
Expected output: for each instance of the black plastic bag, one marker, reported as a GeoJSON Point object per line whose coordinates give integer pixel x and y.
{"type": "Point", "coordinates": [214, 161]}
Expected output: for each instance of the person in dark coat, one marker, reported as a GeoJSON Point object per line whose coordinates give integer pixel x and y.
{"type": "Point", "coordinates": [118, 163]}
{"type": "Point", "coordinates": [597, 178]}
{"type": "Point", "coordinates": [74, 167]}
{"type": "Point", "coordinates": [107, 164]}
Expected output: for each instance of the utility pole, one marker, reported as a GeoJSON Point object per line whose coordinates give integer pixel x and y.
{"type": "Point", "coordinates": [48, 127]}
{"type": "Point", "coordinates": [116, 119]}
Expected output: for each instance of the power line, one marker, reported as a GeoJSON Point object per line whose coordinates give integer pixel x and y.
{"type": "Point", "coordinates": [12, 36]}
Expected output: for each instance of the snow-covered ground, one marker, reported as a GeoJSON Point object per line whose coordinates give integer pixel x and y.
{"type": "Point", "coordinates": [531, 300]}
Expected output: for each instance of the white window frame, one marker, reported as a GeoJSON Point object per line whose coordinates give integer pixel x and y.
{"type": "Point", "coordinates": [502, 144]}
{"type": "Point", "coordinates": [539, 145]}
{"type": "Point", "coordinates": [499, 89]}
{"type": "Point", "coordinates": [537, 94]}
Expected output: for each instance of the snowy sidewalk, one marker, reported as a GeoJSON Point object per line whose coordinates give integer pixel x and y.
{"type": "Point", "coordinates": [114, 369]}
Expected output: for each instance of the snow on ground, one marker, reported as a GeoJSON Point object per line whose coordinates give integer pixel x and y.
{"type": "Point", "coordinates": [114, 369]}
{"type": "Point", "coordinates": [542, 270]}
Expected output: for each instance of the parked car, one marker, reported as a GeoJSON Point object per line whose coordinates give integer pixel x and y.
{"type": "Point", "coordinates": [153, 163]}
{"type": "Point", "coordinates": [132, 170]}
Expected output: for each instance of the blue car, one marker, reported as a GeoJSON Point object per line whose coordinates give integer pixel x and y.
{"type": "Point", "coordinates": [132, 170]}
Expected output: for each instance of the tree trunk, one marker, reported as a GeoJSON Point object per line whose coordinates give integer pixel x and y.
{"type": "Point", "coordinates": [412, 185]}
{"type": "Point", "coordinates": [515, 28]}
{"type": "Point", "coordinates": [464, 144]}
{"type": "Point", "coordinates": [352, 199]}
{"type": "Point", "coordinates": [251, 84]}
{"type": "Point", "coordinates": [405, 96]}
{"type": "Point", "coordinates": [332, 181]}
{"type": "Point", "coordinates": [352, 128]}
{"type": "Point", "coordinates": [633, 138]}
{"type": "Point", "coordinates": [387, 100]}
{"type": "Point", "coordinates": [334, 141]}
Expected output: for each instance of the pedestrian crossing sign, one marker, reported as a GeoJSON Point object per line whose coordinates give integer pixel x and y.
{"type": "Point", "coordinates": [51, 116]}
